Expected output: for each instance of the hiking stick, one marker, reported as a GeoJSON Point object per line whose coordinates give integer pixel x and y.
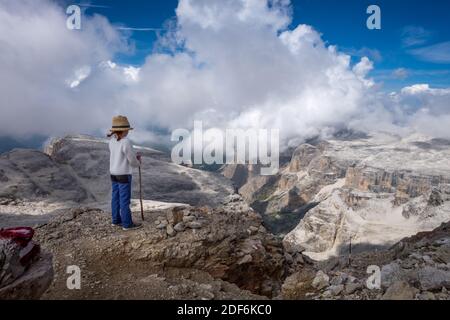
{"type": "Point", "coordinates": [140, 193]}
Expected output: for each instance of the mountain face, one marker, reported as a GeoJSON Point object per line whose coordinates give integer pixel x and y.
{"type": "Point", "coordinates": [74, 171]}
{"type": "Point", "coordinates": [200, 240]}
{"type": "Point", "coordinates": [364, 191]}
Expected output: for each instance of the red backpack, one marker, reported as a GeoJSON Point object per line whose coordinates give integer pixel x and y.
{"type": "Point", "coordinates": [22, 236]}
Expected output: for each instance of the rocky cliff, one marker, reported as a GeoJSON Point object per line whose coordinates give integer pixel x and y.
{"type": "Point", "coordinates": [369, 191]}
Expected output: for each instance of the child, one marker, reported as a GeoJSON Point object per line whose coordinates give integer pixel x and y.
{"type": "Point", "coordinates": [122, 159]}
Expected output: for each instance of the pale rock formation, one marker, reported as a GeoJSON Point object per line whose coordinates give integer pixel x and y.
{"type": "Point", "coordinates": [370, 191]}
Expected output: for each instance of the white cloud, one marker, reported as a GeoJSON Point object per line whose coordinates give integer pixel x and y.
{"type": "Point", "coordinates": [437, 53]}
{"type": "Point", "coordinates": [240, 67]}
{"type": "Point", "coordinates": [424, 89]}
{"type": "Point", "coordinates": [372, 54]}
{"type": "Point", "coordinates": [42, 62]}
{"type": "Point", "coordinates": [400, 73]}
{"type": "Point", "coordinates": [415, 35]}
{"type": "Point", "coordinates": [79, 76]}
{"type": "Point", "coordinates": [131, 73]}
{"type": "Point", "coordinates": [424, 109]}
{"type": "Point", "coordinates": [417, 88]}
{"type": "Point", "coordinates": [248, 70]}
{"type": "Point", "coordinates": [361, 69]}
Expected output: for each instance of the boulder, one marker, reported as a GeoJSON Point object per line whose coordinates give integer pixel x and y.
{"type": "Point", "coordinates": [431, 278]}
{"type": "Point", "coordinates": [194, 225]}
{"type": "Point", "coordinates": [336, 289]}
{"type": "Point", "coordinates": [426, 296]}
{"type": "Point", "coordinates": [339, 279]}
{"type": "Point", "coordinates": [33, 283]}
{"type": "Point", "coordinates": [298, 285]}
{"type": "Point", "coordinates": [391, 273]}
{"type": "Point", "coordinates": [10, 266]}
{"type": "Point", "coordinates": [400, 290]}
{"type": "Point", "coordinates": [179, 227]}
{"type": "Point", "coordinates": [321, 280]}
{"type": "Point", "coordinates": [351, 287]}
{"type": "Point", "coordinates": [170, 230]}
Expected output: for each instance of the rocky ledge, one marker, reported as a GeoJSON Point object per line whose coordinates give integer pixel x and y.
{"type": "Point", "coordinates": [227, 244]}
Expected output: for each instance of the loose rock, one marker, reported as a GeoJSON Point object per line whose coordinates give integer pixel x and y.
{"type": "Point", "coordinates": [321, 280]}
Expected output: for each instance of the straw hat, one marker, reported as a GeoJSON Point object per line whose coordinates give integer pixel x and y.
{"type": "Point", "coordinates": [120, 123]}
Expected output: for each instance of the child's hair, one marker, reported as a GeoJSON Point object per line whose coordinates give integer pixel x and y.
{"type": "Point", "coordinates": [118, 135]}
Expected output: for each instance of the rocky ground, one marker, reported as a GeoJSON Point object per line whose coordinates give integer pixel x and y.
{"type": "Point", "coordinates": [181, 253]}
{"type": "Point", "coordinates": [185, 252]}
{"type": "Point", "coordinates": [415, 268]}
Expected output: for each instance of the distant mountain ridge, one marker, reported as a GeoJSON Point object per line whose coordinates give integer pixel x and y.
{"type": "Point", "coordinates": [9, 143]}
{"type": "Point", "coordinates": [372, 190]}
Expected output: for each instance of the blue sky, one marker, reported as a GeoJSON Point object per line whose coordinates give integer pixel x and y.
{"type": "Point", "coordinates": [412, 47]}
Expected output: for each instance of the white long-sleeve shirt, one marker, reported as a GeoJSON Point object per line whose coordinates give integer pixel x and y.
{"type": "Point", "coordinates": [122, 157]}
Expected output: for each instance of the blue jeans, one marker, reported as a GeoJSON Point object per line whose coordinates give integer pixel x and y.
{"type": "Point", "coordinates": [120, 203]}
